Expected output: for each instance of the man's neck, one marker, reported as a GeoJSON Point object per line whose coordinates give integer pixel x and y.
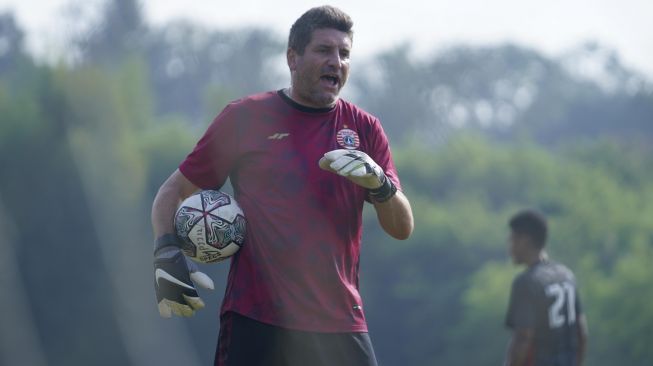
{"type": "Point", "coordinates": [289, 92]}
{"type": "Point", "coordinates": [536, 258]}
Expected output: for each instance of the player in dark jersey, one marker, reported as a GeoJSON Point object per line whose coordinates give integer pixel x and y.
{"type": "Point", "coordinates": [302, 163]}
{"type": "Point", "coordinates": [545, 314]}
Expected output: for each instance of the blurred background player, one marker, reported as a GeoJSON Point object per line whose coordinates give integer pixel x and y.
{"type": "Point", "coordinates": [302, 163]}
{"type": "Point", "coordinates": [545, 315]}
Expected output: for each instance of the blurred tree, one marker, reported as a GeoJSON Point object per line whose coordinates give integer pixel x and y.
{"type": "Point", "coordinates": [120, 33]}
{"type": "Point", "coordinates": [191, 66]}
{"type": "Point", "coordinates": [106, 125]}
{"type": "Point", "coordinates": [11, 44]}
{"type": "Point", "coordinates": [67, 289]}
{"type": "Point", "coordinates": [508, 92]}
{"type": "Point", "coordinates": [394, 87]}
{"type": "Point", "coordinates": [446, 290]}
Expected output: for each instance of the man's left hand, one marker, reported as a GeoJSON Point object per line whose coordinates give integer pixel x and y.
{"type": "Point", "coordinates": [356, 166]}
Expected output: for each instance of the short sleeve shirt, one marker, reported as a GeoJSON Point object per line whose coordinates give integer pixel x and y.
{"type": "Point", "coordinates": [545, 298]}
{"type": "Point", "coordinates": [298, 267]}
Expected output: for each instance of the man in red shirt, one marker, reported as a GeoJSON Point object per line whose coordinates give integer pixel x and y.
{"type": "Point", "coordinates": [302, 162]}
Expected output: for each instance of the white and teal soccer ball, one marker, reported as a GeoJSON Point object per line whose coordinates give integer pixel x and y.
{"type": "Point", "coordinates": [212, 226]}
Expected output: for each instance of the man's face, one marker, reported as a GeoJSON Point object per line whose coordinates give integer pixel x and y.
{"type": "Point", "coordinates": [518, 247]}
{"type": "Point", "coordinates": [323, 69]}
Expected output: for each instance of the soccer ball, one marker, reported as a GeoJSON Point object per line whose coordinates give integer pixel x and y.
{"type": "Point", "coordinates": [212, 226]}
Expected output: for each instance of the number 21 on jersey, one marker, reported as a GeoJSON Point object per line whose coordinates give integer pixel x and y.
{"type": "Point", "coordinates": [563, 294]}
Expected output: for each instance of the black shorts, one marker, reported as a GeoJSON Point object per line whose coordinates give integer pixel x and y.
{"type": "Point", "coordinates": [247, 342]}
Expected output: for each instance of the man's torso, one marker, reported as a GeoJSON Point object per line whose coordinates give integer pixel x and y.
{"type": "Point", "coordinates": [298, 267]}
{"type": "Point", "coordinates": [549, 290]}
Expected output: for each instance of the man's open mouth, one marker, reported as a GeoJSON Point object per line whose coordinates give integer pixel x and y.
{"type": "Point", "coordinates": [332, 79]}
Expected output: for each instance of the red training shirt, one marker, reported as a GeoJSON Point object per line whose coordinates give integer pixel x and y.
{"type": "Point", "coordinates": [298, 267]}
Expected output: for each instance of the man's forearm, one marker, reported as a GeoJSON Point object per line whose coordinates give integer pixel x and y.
{"type": "Point", "coordinates": [518, 351]}
{"type": "Point", "coordinates": [396, 216]}
{"type": "Point", "coordinates": [163, 209]}
{"type": "Point", "coordinates": [582, 339]}
{"type": "Point", "coordinates": [581, 353]}
{"type": "Point", "coordinates": [175, 189]}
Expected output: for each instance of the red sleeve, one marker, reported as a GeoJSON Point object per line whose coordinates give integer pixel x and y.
{"type": "Point", "coordinates": [380, 152]}
{"type": "Point", "coordinates": [214, 156]}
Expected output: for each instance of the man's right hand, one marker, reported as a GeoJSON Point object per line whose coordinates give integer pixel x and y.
{"type": "Point", "coordinates": [174, 278]}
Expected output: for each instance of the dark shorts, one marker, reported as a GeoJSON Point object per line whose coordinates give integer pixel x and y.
{"type": "Point", "coordinates": [247, 342]}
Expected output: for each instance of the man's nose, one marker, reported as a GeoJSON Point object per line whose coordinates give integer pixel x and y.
{"type": "Point", "coordinates": [334, 59]}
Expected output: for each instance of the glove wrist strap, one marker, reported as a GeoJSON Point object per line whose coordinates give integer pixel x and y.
{"type": "Point", "coordinates": [386, 191]}
{"type": "Point", "coordinates": [167, 240]}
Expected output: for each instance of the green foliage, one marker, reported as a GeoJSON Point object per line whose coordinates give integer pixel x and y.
{"type": "Point", "coordinates": [462, 200]}
{"type": "Point", "coordinates": [164, 147]}
{"type": "Point", "coordinates": [105, 124]}
{"type": "Point", "coordinates": [56, 242]}
{"type": "Point", "coordinates": [484, 303]}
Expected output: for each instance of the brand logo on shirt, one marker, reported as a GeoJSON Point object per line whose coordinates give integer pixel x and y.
{"type": "Point", "coordinates": [278, 136]}
{"type": "Point", "coordinates": [348, 139]}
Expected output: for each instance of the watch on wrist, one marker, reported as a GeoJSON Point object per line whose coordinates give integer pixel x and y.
{"type": "Point", "coordinates": [386, 191]}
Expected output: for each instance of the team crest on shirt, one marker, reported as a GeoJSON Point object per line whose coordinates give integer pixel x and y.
{"type": "Point", "coordinates": [348, 139]}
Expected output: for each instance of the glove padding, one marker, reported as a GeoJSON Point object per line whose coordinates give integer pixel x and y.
{"type": "Point", "coordinates": [174, 278]}
{"type": "Point", "coordinates": [356, 166]}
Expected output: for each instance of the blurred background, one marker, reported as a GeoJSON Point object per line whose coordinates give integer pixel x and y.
{"type": "Point", "coordinates": [490, 107]}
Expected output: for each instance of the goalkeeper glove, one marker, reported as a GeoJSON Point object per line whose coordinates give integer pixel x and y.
{"type": "Point", "coordinates": [174, 278]}
{"type": "Point", "coordinates": [359, 168]}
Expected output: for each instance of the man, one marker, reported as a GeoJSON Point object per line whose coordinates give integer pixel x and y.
{"type": "Point", "coordinates": [302, 162]}
{"type": "Point", "coordinates": [544, 314]}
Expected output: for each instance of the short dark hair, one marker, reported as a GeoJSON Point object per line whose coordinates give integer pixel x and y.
{"type": "Point", "coordinates": [531, 223]}
{"type": "Point", "coordinates": [317, 18]}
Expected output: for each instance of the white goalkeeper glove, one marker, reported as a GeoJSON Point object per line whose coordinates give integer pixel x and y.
{"type": "Point", "coordinates": [359, 168]}
{"type": "Point", "coordinates": [174, 278]}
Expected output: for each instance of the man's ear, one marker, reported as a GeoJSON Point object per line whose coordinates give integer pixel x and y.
{"type": "Point", "coordinates": [291, 58]}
